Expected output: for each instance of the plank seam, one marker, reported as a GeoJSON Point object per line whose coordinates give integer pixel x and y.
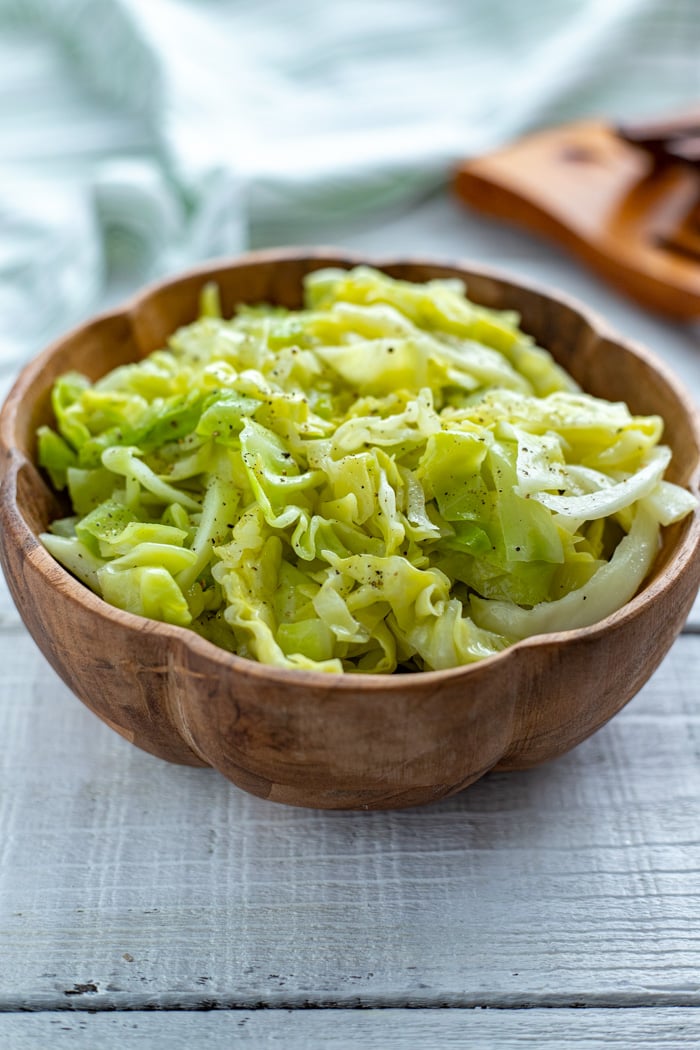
{"type": "Point", "coordinates": [92, 1003]}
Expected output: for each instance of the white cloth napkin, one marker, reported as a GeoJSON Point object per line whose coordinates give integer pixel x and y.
{"type": "Point", "coordinates": [139, 135]}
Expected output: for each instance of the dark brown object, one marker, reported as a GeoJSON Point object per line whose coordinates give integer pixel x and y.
{"type": "Point", "coordinates": [667, 139]}
{"type": "Point", "coordinates": [627, 204]}
{"type": "Point", "coordinates": [340, 741]}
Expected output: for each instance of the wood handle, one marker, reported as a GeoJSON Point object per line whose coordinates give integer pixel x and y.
{"type": "Point", "coordinates": [603, 199]}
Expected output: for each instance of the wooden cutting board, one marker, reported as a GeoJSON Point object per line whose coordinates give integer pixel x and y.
{"type": "Point", "coordinates": [636, 223]}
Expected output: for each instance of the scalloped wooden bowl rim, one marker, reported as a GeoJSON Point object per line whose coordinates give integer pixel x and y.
{"type": "Point", "coordinates": [78, 592]}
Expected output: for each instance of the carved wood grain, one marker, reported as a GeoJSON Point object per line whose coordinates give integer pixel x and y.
{"type": "Point", "coordinates": [341, 742]}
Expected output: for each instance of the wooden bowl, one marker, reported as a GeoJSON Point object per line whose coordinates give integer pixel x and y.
{"type": "Point", "coordinates": [355, 741]}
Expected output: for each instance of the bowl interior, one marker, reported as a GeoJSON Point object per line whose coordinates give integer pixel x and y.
{"type": "Point", "coordinates": [287, 734]}
{"type": "Point", "coordinates": [602, 364]}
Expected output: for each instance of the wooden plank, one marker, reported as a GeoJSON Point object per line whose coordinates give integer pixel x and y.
{"type": "Point", "coordinates": [639, 1029]}
{"type": "Point", "coordinates": [127, 882]}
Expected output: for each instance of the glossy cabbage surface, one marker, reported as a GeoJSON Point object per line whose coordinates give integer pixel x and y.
{"type": "Point", "coordinates": [391, 478]}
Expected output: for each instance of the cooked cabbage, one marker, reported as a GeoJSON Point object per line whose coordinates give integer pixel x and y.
{"type": "Point", "coordinates": [391, 478]}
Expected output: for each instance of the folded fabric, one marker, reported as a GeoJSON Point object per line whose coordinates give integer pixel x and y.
{"type": "Point", "coordinates": [137, 137]}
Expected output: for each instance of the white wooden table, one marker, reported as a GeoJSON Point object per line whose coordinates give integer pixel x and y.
{"type": "Point", "coordinates": [143, 904]}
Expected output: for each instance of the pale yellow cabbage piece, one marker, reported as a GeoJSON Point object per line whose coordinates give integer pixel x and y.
{"type": "Point", "coordinates": [390, 478]}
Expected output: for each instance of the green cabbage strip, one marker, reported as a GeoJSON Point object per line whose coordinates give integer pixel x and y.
{"type": "Point", "coordinates": [392, 477]}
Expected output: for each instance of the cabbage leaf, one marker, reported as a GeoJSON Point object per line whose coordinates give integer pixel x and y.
{"type": "Point", "coordinates": [392, 477]}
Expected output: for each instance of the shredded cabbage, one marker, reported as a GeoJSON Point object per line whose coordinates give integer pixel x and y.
{"type": "Point", "coordinates": [390, 478]}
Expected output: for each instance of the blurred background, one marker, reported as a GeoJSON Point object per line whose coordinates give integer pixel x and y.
{"type": "Point", "coordinates": [139, 136]}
